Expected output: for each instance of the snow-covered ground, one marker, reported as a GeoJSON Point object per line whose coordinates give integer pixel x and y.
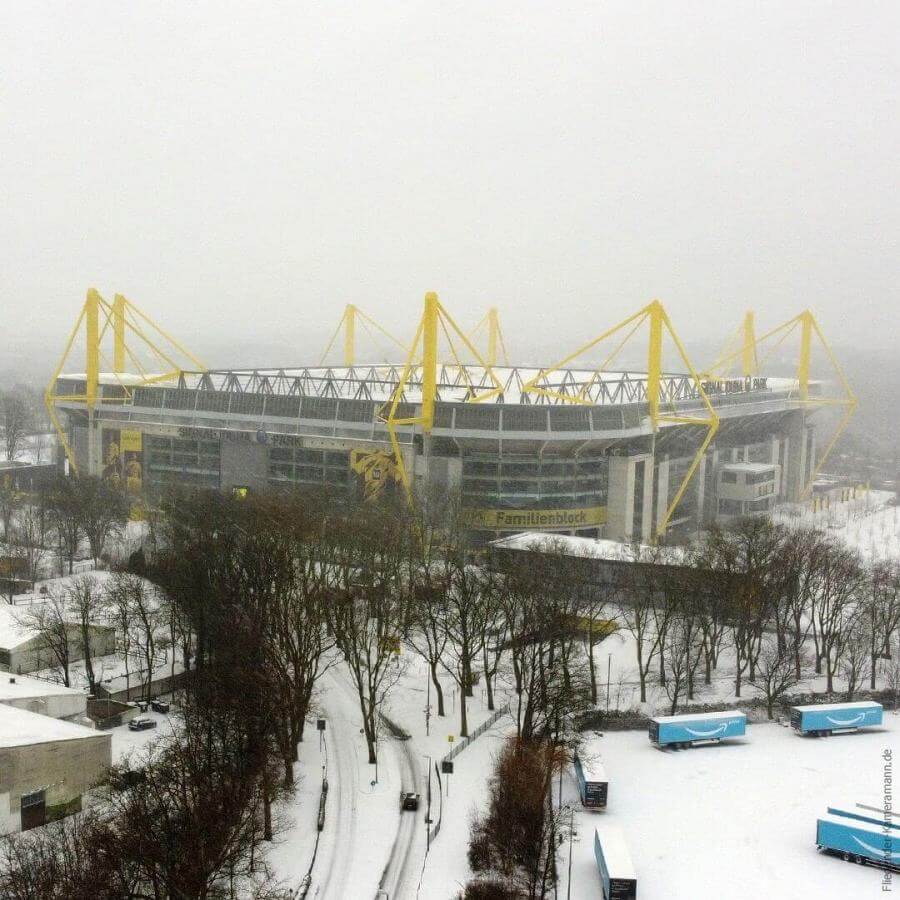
{"type": "Point", "coordinates": [870, 523]}
{"type": "Point", "coordinates": [363, 820]}
{"type": "Point", "coordinates": [735, 820]}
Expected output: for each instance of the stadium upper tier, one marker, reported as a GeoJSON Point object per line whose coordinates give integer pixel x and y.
{"type": "Point", "coordinates": [333, 400]}
{"type": "Point", "coordinates": [455, 384]}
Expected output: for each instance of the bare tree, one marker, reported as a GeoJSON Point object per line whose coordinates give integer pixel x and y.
{"type": "Point", "coordinates": [64, 505]}
{"type": "Point", "coordinates": [882, 612]}
{"type": "Point", "coordinates": [118, 612]}
{"type": "Point", "coordinates": [776, 673]}
{"type": "Point", "coordinates": [838, 586]}
{"type": "Point", "coordinates": [103, 512]}
{"type": "Point", "coordinates": [368, 605]}
{"type": "Point", "coordinates": [16, 419]}
{"type": "Point", "coordinates": [30, 537]}
{"type": "Point", "coordinates": [85, 602]}
{"type": "Point", "coordinates": [855, 658]}
{"type": "Point", "coordinates": [49, 620]}
{"type": "Point", "coordinates": [639, 610]}
{"type": "Point", "coordinates": [681, 652]}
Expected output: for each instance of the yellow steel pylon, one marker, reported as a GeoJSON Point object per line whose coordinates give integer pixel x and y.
{"type": "Point", "coordinates": [659, 325]}
{"type": "Point", "coordinates": [123, 319]}
{"type": "Point", "coordinates": [347, 322]}
{"type": "Point", "coordinates": [495, 340]}
{"type": "Point", "coordinates": [741, 345]}
{"type": "Point", "coordinates": [810, 333]}
{"type": "Point", "coordinates": [422, 361]}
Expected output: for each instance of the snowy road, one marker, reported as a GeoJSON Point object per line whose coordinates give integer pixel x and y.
{"type": "Point", "coordinates": [331, 871]}
{"type": "Point", "coordinates": [397, 880]}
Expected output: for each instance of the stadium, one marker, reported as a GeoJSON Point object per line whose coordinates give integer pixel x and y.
{"type": "Point", "coordinates": [580, 446]}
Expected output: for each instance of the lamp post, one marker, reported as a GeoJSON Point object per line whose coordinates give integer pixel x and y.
{"type": "Point", "coordinates": [428, 806]}
{"type": "Point", "coordinates": [608, 672]}
{"type": "Point", "coordinates": [428, 702]}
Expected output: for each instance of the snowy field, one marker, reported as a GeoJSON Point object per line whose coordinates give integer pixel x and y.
{"type": "Point", "coordinates": [737, 820]}
{"type": "Point", "coordinates": [869, 524]}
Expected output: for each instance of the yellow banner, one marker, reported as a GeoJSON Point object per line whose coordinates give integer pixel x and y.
{"type": "Point", "coordinates": [130, 441]}
{"type": "Point", "coordinates": [519, 519]}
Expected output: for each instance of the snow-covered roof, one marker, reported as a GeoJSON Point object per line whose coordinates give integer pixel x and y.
{"type": "Point", "coordinates": [14, 629]}
{"type": "Point", "coordinates": [20, 728]}
{"type": "Point", "coordinates": [700, 716]}
{"type": "Point", "coordinates": [838, 707]}
{"type": "Point", "coordinates": [615, 852]}
{"type": "Point", "coordinates": [21, 687]}
{"type": "Point", "coordinates": [590, 548]}
{"type": "Point", "coordinates": [755, 468]}
{"type": "Point", "coordinates": [569, 544]}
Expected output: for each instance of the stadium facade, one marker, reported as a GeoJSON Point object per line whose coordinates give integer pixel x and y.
{"type": "Point", "coordinates": [522, 457]}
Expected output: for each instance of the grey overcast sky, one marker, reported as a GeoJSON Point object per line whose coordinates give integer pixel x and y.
{"type": "Point", "coordinates": [243, 170]}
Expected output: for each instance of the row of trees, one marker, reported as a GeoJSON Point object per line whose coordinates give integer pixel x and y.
{"type": "Point", "coordinates": [780, 600]}
{"type": "Point", "coordinates": [65, 625]}
{"type": "Point", "coordinates": [60, 519]}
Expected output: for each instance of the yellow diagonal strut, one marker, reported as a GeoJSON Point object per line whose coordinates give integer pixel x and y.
{"type": "Point", "coordinates": [422, 360]}
{"type": "Point", "coordinates": [131, 330]}
{"type": "Point", "coordinates": [809, 331]}
{"type": "Point", "coordinates": [659, 325]}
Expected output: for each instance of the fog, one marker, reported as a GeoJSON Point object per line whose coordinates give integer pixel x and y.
{"type": "Point", "coordinates": [243, 171]}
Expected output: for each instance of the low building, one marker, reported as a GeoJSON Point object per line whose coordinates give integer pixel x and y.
{"type": "Point", "coordinates": [44, 697]}
{"type": "Point", "coordinates": [23, 649]}
{"type": "Point", "coordinates": [46, 765]}
{"type": "Point", "coordinates": [747, 489]}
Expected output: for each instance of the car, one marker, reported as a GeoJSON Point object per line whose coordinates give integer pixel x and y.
{"type": "Point", "coordinates": [409, 801]}
{"type": "Point", "coordinates": [160, 706]}
{"type": "Point", "coordinates": [141, 723]}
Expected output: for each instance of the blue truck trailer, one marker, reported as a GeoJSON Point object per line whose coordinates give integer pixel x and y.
{"type": "Point", "coordinates": [860, 842]}
{"type": "Point", "coordinates": [685, 730]}
{"type": "Point", "coordinates": [827, 718]}
{"type": "Point", "coordinates": [593, 785]}
{"type": "Point", "coordinates": [874, 815]}
{"type": "Point", "coordinates": [617, 876]}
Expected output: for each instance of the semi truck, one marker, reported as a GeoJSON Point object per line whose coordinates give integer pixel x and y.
{"type": "Point", "coordinates": [857, 841]}
{"type": "Point", "coordinates": [830, 718]}
{"type": "Point", "coordinates": [685, 730]}
{"type": "Point", "coordinates": [617, 876]}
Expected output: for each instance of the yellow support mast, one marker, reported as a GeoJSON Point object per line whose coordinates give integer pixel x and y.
{"type": "Point", "coordinates": [132, 332]}
{"type": "Point", "coordinates": [495, 341]}
{"type": "Point", "coordinates": [657, 318]}
{"type": "Point", "coordinates": [352, 315]}
{"type": "Point", "coordinates": [749, 361]}
{"type": "Point", "coordinates": [810, 334]}
{"type": "Point", "coordinates": [421, 366]}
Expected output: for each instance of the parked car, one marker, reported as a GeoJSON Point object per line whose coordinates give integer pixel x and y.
{"type": "Point", "coordinates": [141, 723]}
{"type": "Point", "coordinates": [160, 706]}
{"type": "Point", "coordinates": [409, 801]}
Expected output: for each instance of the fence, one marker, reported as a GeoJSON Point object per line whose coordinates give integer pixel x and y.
{"type": "Point", "coordinates": [435, 830]}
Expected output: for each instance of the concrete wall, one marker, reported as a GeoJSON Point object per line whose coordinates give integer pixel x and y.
{"type": "Point", "coordinates": [621, 499]}
{"type": "Point", "coordinates": [33, 655]}
{"type": "Point", "coordinates": [64, 769]}
{"type": "Point", "coordinates": [59, 706]}
{"type": "Point", "coordinates": [244, 464]}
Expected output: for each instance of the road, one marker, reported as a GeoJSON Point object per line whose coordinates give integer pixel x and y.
{"type": "Point", "coordinates": [339, 834]}
{"type": "Point", "coordinates": [349, 812]}
{"type": "Point", "coordinates": [397, 880]}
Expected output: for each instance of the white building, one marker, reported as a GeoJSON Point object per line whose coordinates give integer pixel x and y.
{"type": "Point", "coordinates": [46, 765]}
{"type": "Point", "coordinates": [44, 697]}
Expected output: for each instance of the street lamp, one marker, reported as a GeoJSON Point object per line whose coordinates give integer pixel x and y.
{"type": "Point", "coordinates": [428, 806]}
{"type": "Point", "coordinates": [608, 672]}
